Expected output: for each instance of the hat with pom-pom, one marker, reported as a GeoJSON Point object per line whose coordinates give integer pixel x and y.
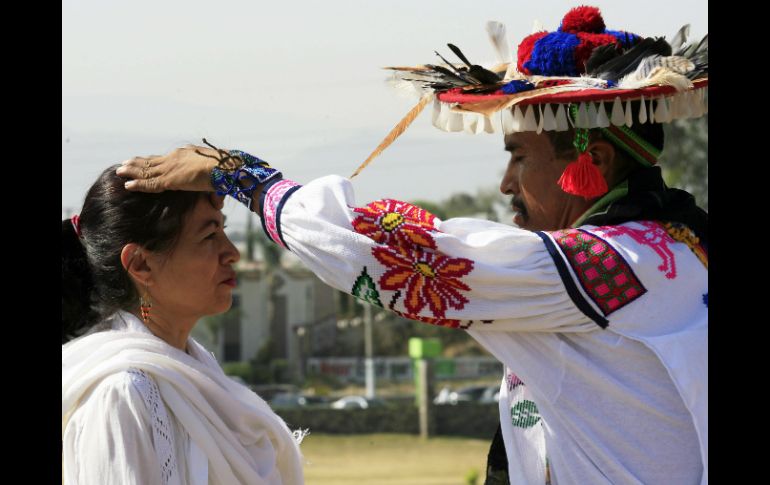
{"type": "Point", "coordinates": [581, 76]}
{"type": "Point", "coordinates": [565, 52]}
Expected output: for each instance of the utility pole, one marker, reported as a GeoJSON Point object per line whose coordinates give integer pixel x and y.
{"type": "Point", "coordinates": [249, 238]}
{"type": "Point", "coordinates": [423, 351]}
{"type": "Point", "coordinates": [368, 351]}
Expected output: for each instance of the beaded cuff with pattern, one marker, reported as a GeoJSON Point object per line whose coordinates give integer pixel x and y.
{"type": "Point", "coordinates": [241, 182]}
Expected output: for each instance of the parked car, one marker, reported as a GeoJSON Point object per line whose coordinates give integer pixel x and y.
{"type": "Point", "coordinates": [295, 400]}
{"type": "Point", "coordinates": [269, 391]}
{"type": "Point", "coordinates": [490, 395]}
{"type": "Point", "coordinates": [356, 402]}
{"type": "Point", "coordinates": [464, 394]}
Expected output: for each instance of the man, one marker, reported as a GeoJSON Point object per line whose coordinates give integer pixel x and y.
{"type": "Point", "coordinates": [598, 302]}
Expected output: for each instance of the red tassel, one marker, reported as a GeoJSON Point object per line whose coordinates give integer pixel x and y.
{"type": "Point", "coordinates": [583, 178]}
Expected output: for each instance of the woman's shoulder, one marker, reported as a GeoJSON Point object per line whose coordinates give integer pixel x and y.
{"type": "Point", "coordinates": [115, 405]}
{"type": "Point", "coordinates": [131, 390]}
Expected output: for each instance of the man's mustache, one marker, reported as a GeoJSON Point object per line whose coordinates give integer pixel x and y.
{"type": "Point", "coordinates": [518, 205]}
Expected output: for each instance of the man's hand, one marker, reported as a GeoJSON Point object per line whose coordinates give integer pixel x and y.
{"type": "Point", "coordinates": [181, 169]}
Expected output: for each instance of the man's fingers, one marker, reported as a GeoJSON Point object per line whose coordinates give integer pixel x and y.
{"type": "Point", "coordinates": [151, 185]}
{"type": "Point", "coordinates": [136, 162]}
{"type": "Point", "coordinates": [135, 172]}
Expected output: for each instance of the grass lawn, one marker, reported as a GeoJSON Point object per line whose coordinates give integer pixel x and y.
{"type": "Point", "coordinates": [380, 459]}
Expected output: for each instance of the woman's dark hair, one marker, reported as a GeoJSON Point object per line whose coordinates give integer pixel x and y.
{"type": "Point", "coordinates": [94, 282]}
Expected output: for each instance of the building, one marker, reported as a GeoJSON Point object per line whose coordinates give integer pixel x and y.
{"type": "Point", "coordinates": [286, 307]}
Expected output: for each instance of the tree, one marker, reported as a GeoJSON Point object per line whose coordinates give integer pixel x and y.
{"type": "Point", "coordinates": [685, 157]}
{"type": "Point", "coordinates": [489, 202]}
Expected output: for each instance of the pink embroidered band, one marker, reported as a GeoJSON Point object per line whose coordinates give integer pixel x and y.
{"type": "Point", "coordinates": [273, 201]}
{"type": "Point", "coordinates": [602, 272]}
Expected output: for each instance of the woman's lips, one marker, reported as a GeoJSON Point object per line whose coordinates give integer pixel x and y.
{"type": "Point", "coordinates": [230, 282]}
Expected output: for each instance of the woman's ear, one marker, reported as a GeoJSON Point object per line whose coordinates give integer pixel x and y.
{"type": "Point", "coordinates": [134, 260]}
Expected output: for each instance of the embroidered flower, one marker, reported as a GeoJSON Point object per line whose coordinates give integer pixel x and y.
{"type": "Point", "coordinates": [512, 380]}
{"type": "Point", "coordinates": [440, 322]}
{"type": "Point", "coordinates": [427, 278]}
{"type": "Point", "coordinates": [396, 223]}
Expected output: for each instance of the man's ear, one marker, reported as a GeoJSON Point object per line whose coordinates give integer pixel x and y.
{"type": "Point", "coordinates": [604, 157]}
{"type": "Point", "coordinates": [134, 260]}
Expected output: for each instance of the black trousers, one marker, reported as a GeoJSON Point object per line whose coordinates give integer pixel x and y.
{"type": "Point", "coordinates": [497, 461]}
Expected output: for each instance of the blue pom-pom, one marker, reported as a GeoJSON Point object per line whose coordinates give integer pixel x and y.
{"type": "Point", "coordinates": [554, 55]}
{"type": "Point", "coordinates": [627, 39]}
{"type": "Point", "coordinates": [517, 86]}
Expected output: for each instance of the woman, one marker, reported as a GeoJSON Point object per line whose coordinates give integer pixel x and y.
{"type": "Point", "coordinates": [143, 402]}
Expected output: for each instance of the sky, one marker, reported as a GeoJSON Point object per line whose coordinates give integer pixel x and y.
{"type": "Point", "coordinates": [298, 84]}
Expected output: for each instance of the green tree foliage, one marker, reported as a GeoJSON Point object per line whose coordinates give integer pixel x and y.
{"type": "Point", "coordinates": [488, 203]}
{"type": "Point", "coordinates": [685, 157]}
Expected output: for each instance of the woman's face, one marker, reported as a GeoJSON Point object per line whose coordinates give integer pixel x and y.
{"type": "Point", "coordinates": [196, 277]}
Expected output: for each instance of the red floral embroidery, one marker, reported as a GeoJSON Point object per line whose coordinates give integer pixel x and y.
{"type": "Point", "coordinates": [428, 278]}
{"type": "Point", "coordinates": [396, 223]}
{"type": "Point", "coordinates": [653, 235]}
{"type": "Point", "coordinates": [441, 322]}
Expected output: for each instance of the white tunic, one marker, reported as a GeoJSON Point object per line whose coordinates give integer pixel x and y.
{"type": "Point", "coordinates": [607, 326]}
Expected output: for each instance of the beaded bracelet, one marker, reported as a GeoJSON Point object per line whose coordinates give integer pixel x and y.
{"type": "Point", "coordinates": [241, 181]}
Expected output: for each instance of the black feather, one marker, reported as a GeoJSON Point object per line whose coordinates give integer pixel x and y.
{"type": "Point", "coordinates": [484, 76]}
{"type": "Point", "coordinates": [452, 66]}
{"type": "Point", "coordinates": [460, 54]}
{"type": "Point", "coordinates": [460, 79]}
{"type": "Point", "coordinates": [462, 74]}
{"type": "Point", "coordinates": [626, 63]}
{"type": "Point", "coordinates": [600, 55]}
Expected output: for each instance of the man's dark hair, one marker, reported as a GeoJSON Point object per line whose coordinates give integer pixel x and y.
{"type": "Point", "coordinates": [562, 141]}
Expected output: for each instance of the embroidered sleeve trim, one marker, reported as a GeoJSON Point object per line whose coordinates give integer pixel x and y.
{"type": "Point", "coordinates": [274, 200]}
{"type": "Point", "coordinates": [262, 194]}
{"type": "Point", "coordinates": [569, 283]}
{"type": "Point", "coordinates": [606, 277]}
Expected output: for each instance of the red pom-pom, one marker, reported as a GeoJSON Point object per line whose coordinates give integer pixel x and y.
{"type": "Point", "coordinates": [583, 178]}
{"type": "Point", "coordinates": [525, 50]}
{"type": "Point", "coordinates": [583, 19]}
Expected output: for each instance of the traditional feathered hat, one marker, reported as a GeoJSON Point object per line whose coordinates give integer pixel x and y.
{"type": "Point", "coordinates": [582, 76]}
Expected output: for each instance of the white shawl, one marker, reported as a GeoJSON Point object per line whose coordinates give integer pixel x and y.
{"type": "Point", "coordinates": [242, 438]}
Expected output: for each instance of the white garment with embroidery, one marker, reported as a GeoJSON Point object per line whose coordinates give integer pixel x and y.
{"type": "Point", "coordinates": [606, 326]}
{"type": "Point", "coordinates": [136, 410]}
